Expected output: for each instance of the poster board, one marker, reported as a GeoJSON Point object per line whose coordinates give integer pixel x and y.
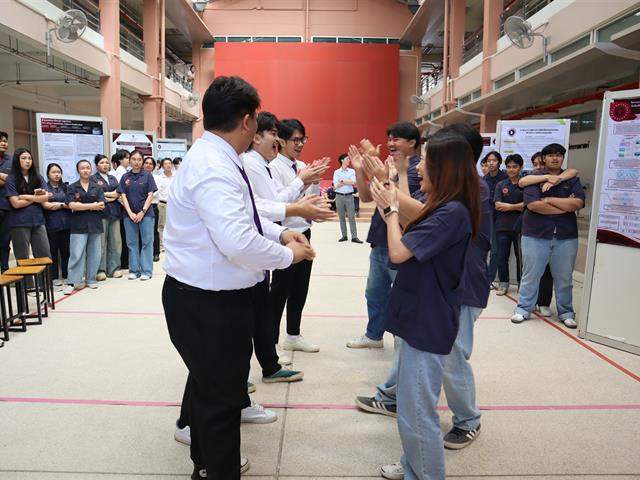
{"type": "Point", "coordinates": [66, 139]}
{"type": "Point", "coordinates": [527, 137]}
{"type": "Point", "coordinates": [131, 140]}
{"type": "Point", "coordinates": [171, 148]}
{"type": "Point", "coordinates": [488, 145]}
{"type": "Point", "coordinates": [608, 313]}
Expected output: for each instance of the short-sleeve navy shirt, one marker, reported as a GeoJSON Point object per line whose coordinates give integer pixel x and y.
{"type": "Point", "coordinates": [493, 181]}
{"type": "Point", "coordinates": [562, 226]}
{"type": "Point", "coordinates": [5, 167]}
{"type": "Point", "coordinates": [85, 221]}
{"type": "Point", "coordinates": [57, 220]}
{"type": "Point", "coordinates": [29, 216]}
{"type": "Point", "coordinates": [426, 296]}
{"type": "Point", "coordinates": [507, 192]}
{"type": "Point", "coordinates": [137, 186]}
{"type": "Point", "coordinates": [112, 210]}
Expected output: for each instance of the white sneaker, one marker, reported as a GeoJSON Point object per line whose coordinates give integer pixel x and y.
{"type": "Point", "coordinates": [283, 358]}
{"type": "Point", "coordinates": [517, 318]}
{"type": "Point", "coordinates": [300, 344]}
{"type": "Point", "coordinates": [68, 290]}
{"type": "Point", "coordinates": [58, 282]}
{"type": "Point", "coordinates": [545, 311]}
{"type": "Point", "coordinates": [393, 471]}
{"type": "Point", "coordinates": [244, 464]}
{"type": "Point", "coordinates": [182, 435]}
{"type": "Point", "coordinates": [257, 414]}
{"type": "Point", "coordinates": [502, 290]}
{"type": "Point", "coordinates": [117, 274]}
{"type": "Point", "coordinates": [144, 277]}
{"type": "Point", "coordinates": [132, 276]}
{"type": "Point", "coordinates": [570, 323]}
{"type": "Point", "coordinates": [365, 342]}
{"type": "Point", "coordinates": [101, 276]}
{"type": "Point", "coordinates": [93, 286]}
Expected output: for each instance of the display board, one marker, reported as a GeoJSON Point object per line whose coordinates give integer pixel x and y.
{"type": "Point", "coordinates": [171, 148]}
{"type": "Point", "coordinates": [488, 145]}
{"type": "Point", "coordinates": [66, 139]}
{"type": "Point", "coordinates": [131, 140]}
{"type": "Point", "coordinates": [527, 137]}
{"type": "Point", "coordinates": [609, 314]}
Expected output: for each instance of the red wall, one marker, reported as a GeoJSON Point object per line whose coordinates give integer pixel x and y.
{"type": "Point", "coordinates": [340, 92]}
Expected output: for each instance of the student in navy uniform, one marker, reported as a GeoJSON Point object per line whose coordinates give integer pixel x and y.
{"type": "Point", "coordinates": [149, 166]}
{"type": "Point", "coordinates": [24, 188]}
{"type": "Point", "coordinates": [550, 236]}
{"type": "Point", "coordinates": [494, 175]}
{"type": "Point", "coordinates": [426, 297]}
{"type": "Point", "coordinates": [508, 212]}
{"type": "Point", "coordinates": [136, 188]}
{"type": "Point", "coordinates": [86, 200]}
{"type": "Point", "coordinates": [5, 170]}
{"type": "Point", "coordinates": [120, 162]}
{"type": "Point", "coordinates": [110, 241]}
{"type": "Point", "coordinates": [58, 222]}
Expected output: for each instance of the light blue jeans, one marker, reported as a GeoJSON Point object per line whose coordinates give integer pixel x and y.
{"type": "Point", "coordinates": [419, 383]}
{"type": "Point", "coordinates": [84, 257]}
{"type": "Point", "coordinates": [560, 255]}
{"type": "Point", "coordinates": [111, 246]}
{"type": "Point", "coordinates": [140, 257]}
{"type": "Point", "coordinates": [379, 282]}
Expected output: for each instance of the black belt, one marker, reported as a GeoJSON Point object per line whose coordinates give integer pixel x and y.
{"type": "Point", "coordinates": [191, 288]}
{"type": "Point", "coordinates": [345, 194]}
{"type": "Point", "coordinates": [162, 201]}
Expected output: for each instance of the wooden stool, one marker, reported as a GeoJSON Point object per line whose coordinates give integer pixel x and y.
{"type": "Point", "coordinates": [48, 281]}
{"type": "Point", "coordinates": [6, 311]}
{"type": "Point", "coordinates": [32, 271]}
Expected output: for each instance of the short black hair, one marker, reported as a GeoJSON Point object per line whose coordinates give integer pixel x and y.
{"type": "Point", "coordinates": [165, 159]}
{"type": "Point", "coordinates": [342, 157]}
{"type": "Point", "coordinates": [288, 126]}
{"type": "Point", "coordinates": [553, 148]}
{"type": "Point", "coordinates": [267, 121]}
{"type": "Point", "coordinates": [118, 156]}
{"type": "Point", "coordinates": [153, 160]}
{"type": "Point", "coordinates": [82, 161]}
{"type": "Point", "coordinates": [471, 135]}
{"type": "Point", "coordinates": [495, 154]}
{"type": "Point", "coordinates": [97, 158]}
{"type": "Point", "coordinates": [177, 160]}
{"type": "Point", "coordinates": [4, 135]}
{"type": "Point", "coordinates": [514, 158]}
{"type": "Point", "coordinates": [227, 101]}
{"type": "Point", "coordinates": [483, 161]}
{"type": "Point", "coordinates": [406, 130]}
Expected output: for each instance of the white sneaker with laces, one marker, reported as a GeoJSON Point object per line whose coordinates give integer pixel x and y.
{"type": "Point", "coordinates": [68, 290]}
{"type": "Point", "coordinates": [283, 358]}
{"type": "Point", "coordinates": [300, 344]}
{"type": "Point", "coordinates": [92, 285]}
{"type": "Point", "coordinates": [117, 274]}
{"type": "Point", "coordinates": [256, 413]}
{"type": "Point", "coordinates": [365, 342]}
{"type": "Point", "coordinates": [132, 276]}
{"type": "Point", "coordinates": [517, 318]}
{"type": "Point", "coordinates": [101, 276]}
{"type": "Point", "coordinates": [545, 311]}
{"type": "Point", "coordinates": [393, 471]}
{"type": "Point", "coordinates": [183, 435]}
{"type": "Point", "coordinates": [570, 323]}
{"type": "Point", "coordinates": [144, 277]}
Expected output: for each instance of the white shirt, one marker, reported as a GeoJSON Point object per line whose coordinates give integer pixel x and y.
{"type": "Point", "coordinates": [344, 174]}
{"type": "Point", "coordinates": [211, 240]}
{"type": "Point", "coordinates": [163, 182]}
{"type": "Point", "coordinates": [283, 172]}
{"type": "Point", "coordinates": [271, 197]}
{"type": "Point", "coordinates": [120, 171]}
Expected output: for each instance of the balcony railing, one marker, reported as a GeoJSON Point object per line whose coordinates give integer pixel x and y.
{"type": "Point", "coordinates": [131, 43]}
{"type": "Point", "coordinates": [89, 9]}
{"type": "Point", "coordinates": [521, 8]}
{"type": "Point", "coordinates": [472, 46]}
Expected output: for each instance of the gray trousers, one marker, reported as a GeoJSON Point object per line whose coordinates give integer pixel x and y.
{"type": "Point", "coordinates": [345, 205]}
{"type": "Point", "coordinates": [34, 237]}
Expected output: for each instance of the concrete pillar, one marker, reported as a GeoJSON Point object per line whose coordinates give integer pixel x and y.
{"type": "Point", "coordinates": [488, 123]}
{"type": "Point", "coordinates": [151, 36]}
{"type": "Point", "coordinates": [490, 35]}
{"type": "Point", "coordinates": [203, 59]}
{"type": "Point", "coordinates": [110, 99]}
{"type": "Point", "coordinates": [456, 36]}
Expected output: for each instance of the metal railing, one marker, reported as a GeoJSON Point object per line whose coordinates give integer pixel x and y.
{"type": "Point", "coordinates": [472, 46]}
{"type": "Point", "coordinates": [89, 8]}
{"type": "Point", "coordinates": [131, 43]}
{"type": "Point", "coordinates": [522, 8]}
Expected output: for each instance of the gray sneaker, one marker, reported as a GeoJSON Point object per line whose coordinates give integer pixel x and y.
{"type": "Point", "coordinates": [458, 438]}
{"type": "Point", "coordinates": [371, 405]}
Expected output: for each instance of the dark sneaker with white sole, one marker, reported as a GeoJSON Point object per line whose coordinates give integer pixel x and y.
{"type": "Point", "coordinates": [458, 438]}
{"type": "Point", "coordinates": [371, 405]}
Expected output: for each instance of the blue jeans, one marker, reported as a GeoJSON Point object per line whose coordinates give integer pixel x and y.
{"type": "Point", "coordinates": [140, 258]}
{"type": "Point", "coordinates": [386, 391]}
{"type": "Point", "coordinates": [458, 382]}
{"type": "Point", "coordinates": [378, 290]}
{"type": "Point", "coordinates": [420, 377]}
{"type": "Point", "coordinates": [561, 257]}
{"type": "Point", "coordinates": [84, 257]}
{"type": "Point", "coordinates": [493, 256]}
{"type": "Point", "coordinates": [111, 246]}
{"type": "Point", "coordinates": [504, 240]}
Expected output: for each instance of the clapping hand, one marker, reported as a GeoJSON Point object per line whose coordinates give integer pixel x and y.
{"type": "Point", "coordinates": [384, 194]}
{"type": "Point", "coordinates": [375, 168]}
{"type": "Point", "coordinates": [356, 158]}
{"type": "Point", "coordinates": [368, 148]}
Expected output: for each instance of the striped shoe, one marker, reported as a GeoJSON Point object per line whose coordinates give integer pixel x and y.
{"type": "Point", "coordinates": [370, 404]}
{"type": "Point", "coordinates": [458, 438]}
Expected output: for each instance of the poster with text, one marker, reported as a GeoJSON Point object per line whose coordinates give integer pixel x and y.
{"type": "Point", "coordinates": [67, 139]}
{"type": "Point", "coordinates": [488, 145]}
{"type": "Point", "coordinates": [131, 140]}
{"type": "Point", "coordinates": [527, 137]}
{"type": "Point", "coordinates": [619, 208]}
{"type": "Point", "coordinates": [171, 148]}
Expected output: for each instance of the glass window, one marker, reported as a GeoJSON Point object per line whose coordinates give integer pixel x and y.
{"type": "Point", "coordinates": [374, 40]}
{"type": "Point", "coordinates": [238, 39]}
{"type": "Point", "coordinates": [588, 121]}
{"type": "Point", "coordinates": [605, 33]}
{"type": "Point", "coordinates": [476, 94]}
{"type": "Point", "coordinates": [289, 39]}
{"type": "Point", "coordinates": [571, 48]}
{"type": "Point", "coordinates": [532, 67]}
{"type": "Point", "coordinates": [435, 113]}
{"type": "Point", "coordinates": [219, 39]}
{"type": "Point", "coordinates": [264, 39]}
{"type": "Point", "coordinates": [349, 40]}
{"type": "Point", "coordinates": [324, 40]}
{"type": "Point", "coordinates": [501, 82]}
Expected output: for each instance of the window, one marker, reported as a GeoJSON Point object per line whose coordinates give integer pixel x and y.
{"type": "Point", "coordinates": [465, 99]}
{"type": "Point", "coordinates": [476, 94]}
{"type": "Point", "coordinates": [289, 39]}
{"type": "Point", "coordinates": [324, 40]}
{"type": "Point", "coordinates": [501, 82]}
{"type": "Point", "coordinates": [532, 67]}
{"type": "Point", "coordinates": [374, 40]}
{"type": "Point", "coordinates": [583, 122]}
{"type": "Point", "coordinates": [605, 33]}
{"type": "Point", "coordinates": [238, 39]}
{"type": "Point", "coordinates": [435, 113]}
{"type": "Point", "coordinates": [349, 40]}
{"type": "Point", "coordinates": [264, 39]}
{"type": "Point", "coordinates": [571, 48]}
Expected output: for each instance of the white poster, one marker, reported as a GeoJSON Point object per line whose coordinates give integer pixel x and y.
{"type": "Point", "coordinates": [488, 145]}
{"type": "Point", "coordinates": [131, 140]}
{"type": "Point", "coordinates": [66, 139]}
{"type": "Point", "coordinates": [527, 137]}
{"type": "Point", "coordinates": [171, 148]}
{"type": "Point", "coordinates": [619, 208]}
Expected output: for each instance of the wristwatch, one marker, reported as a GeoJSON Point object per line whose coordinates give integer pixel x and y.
{"type": "Point", "coordinates": [144, 210]}
{"type": "Point", "coordinates": [389, 210]}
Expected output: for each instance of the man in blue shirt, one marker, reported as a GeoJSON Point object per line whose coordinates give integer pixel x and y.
{"type": "Point", "coordinates": [344, 180]}
{"type": "Point", "coordinates": [5, 170]}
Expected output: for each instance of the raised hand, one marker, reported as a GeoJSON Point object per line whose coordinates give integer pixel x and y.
{"type": "Point", "coordinates": [315, 208]}
{"type": "Point", "coordinates": [375, 168]}
{"type": "Point", "coordinates": [391, 167]}
{"type": "Point", "coordinates": [384, 194]}
{"type": "Point", "coordinates": [368, 148]}
{"type": "Point", "coordinates": [357, 162]}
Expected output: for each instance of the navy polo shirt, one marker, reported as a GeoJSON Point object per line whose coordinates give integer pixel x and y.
{"type": "Point", "coordinates": [112, 210]}
{"type": "Point", "coordinates": [86, 221]}
{"type": "Point", "coordinates": [562, 226]}
{"type": "Point", "coordinates": [5, 167]}
{"type": "Point", "coordinates": [493, 181]}
{"type": "Point", "coordinates": [507, 192]}
{"type": "Point", "coordinates": [57, 220]}
{"type": "Point", "coordinates": [137, 186]}
{"type": "Point", "coordinates": [29, 216]}
{"type": "Point", "coordinates": [426, 296]}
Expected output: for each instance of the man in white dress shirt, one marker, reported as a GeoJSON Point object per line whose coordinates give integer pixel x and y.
{"type": "Point", "coordinates": [291, 285]}
{"type": "Point", "coordinates": [344, 180]}
{"type": "Point", "coordinates": [217, 249]}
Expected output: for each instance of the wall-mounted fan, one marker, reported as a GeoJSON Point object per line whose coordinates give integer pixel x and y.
{"type": "Point", "coordinates": [521, 33]}
{"type": "Point", "coordinates": [193, 99]}
{"type": "Point", "coordinates": [69, 27]}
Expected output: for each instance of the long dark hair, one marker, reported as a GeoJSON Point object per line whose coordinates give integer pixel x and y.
{"type": "Point", "coordinates": [450, 168]}
{"type": "Point", "coordinates": [63, 185]}
{"type": "Point", "coordinates": [34, 181]}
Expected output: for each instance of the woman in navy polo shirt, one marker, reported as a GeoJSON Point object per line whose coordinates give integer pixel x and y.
{"type": "Point", "coordinates": [86, 200]}
{"type": "Point", "coordinates": [58, 221]}
{"type": "Point", "coordinates": [136, 188]}
{"type": "Point", "coordinates": [110, 241]}
{"type": "Point", "coordinates": [24, 189]}
{"type": "Point", "coordinates": [426, 296]}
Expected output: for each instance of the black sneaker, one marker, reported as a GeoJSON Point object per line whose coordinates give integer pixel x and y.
{"type": "Point", "coordinates": [199, 472]}
{"type": "Point", "coordinates": [458, 438]}
{"type": "Point", "coordinates": [343, 239]}
{"type": "Point", "coordinates": [371, 405]}
{"type": "Point", "coordinates": [356, 240]}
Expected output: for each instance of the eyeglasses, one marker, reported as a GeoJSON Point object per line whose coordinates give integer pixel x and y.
{"type": "Point", "coordinates": [299, 140]}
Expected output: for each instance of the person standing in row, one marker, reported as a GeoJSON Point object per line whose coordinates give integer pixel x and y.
{"type": "Point", "coordinates": [58, 222]}
{"type": "Point", "coordinates": [163, 181]}
{"type": "Point", "coordinates": [344, 181]}
{"type": "Point", "coordinates": [120, 162]}
{"type": "Point", "coordinates": [5, 170]}
{"type": "Point", "coordinates": [111, 240]}
{"type": "Point", "coordinates": [150, 167]}
{"type": "Point", "coordinates": [136, 188]}
{"type": "Point", "coordinates": [493, 177]}
{"type": "Point", "coordinates": [86, 201]}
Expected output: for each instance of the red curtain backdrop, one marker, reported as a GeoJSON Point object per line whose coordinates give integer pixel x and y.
{"type": "Point", "coordinates": [340, 92]}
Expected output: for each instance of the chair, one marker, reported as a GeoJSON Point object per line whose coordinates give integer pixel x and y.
{"type": "Point", "coordinates": [32, 271]}
{"type": "Point", "coordinates": [48, 281]}
{"type": "Point", "coordinates": [7, 316]}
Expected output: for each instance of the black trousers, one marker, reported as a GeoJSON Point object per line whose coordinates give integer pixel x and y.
{"type": "Point", "coordinates": [212, 333]}
{"type": "Point", "coordinates": [59, 246]}
{"type": "Point", "coordinates": [124, 255]}
{"type": "Point", "coordinates": [546, 288]}
{"type": "Point", "coordinates": [5, 239]}
{"type": "Point", "coordinates": [289, 286]}
{"type": "Point", "coordinates": [263, 343]}
{"type": "Point", "coordinates": [156, 232]}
